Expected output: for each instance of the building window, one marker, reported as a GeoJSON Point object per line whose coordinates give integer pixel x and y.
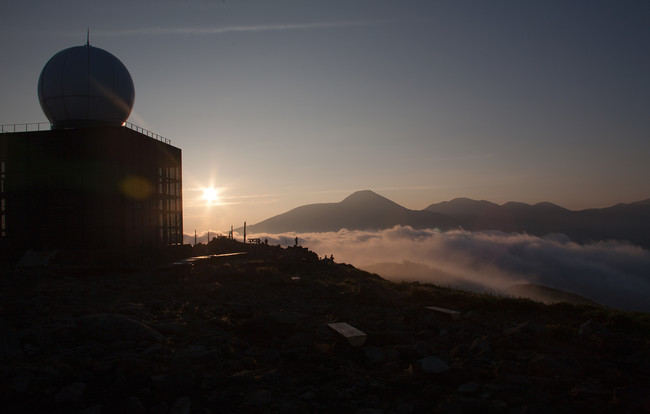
{"type": "Point", "coordinates": [169, 206]}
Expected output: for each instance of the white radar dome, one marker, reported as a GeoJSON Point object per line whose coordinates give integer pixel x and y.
{"type": "Point", "coordinates": [85, 86]}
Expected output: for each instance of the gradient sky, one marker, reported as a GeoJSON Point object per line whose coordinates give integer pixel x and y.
{"type": "Point", "coordinates": [284, 103]}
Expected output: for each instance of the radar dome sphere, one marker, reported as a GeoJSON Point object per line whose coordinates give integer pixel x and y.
{"type": "Point", "coordinates": [85, 86]}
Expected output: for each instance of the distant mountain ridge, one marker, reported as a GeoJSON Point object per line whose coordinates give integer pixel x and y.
{"type": "Point", "coordinates": [629, 222]}
{"type": "Point", "coordinates": [362, 210]}
{"type": "Point", "coordinates": [367, 210]}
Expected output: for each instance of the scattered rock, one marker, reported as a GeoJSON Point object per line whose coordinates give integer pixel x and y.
{"type": "Point", "coordinates": [468, 388]}
{"type": "Point", "coordinates": [405, 408]}
{"type": "Point", "coordinates": [374, 355]}
{"type": "Point", "coordinates": [237, 336]}
{"type": "Point", "coordinates": [528, 327]}
{"type": "Point", "coordinates": [115, 327]}
{"type": "Point", "coordinates": [160, 408]}
{"type": "Point", "coordinates": [182, 405]}
{"type": "Point", "coordinates": [284, 317]}
{"type": "Point", "coordinates": [548, 366]}
{"type": "Point", "coordinates": [590, 327]}
{"type": "Point", "coordinates": [260, 397]}
{"type": "Point", "coordinates": [135, 406]}
{"type": "Point", "coordinates": [433, 365]}
{"type": "Point", "coordinates": [70, 394]}
{"type": "Point", "coordinates": [93, 409]}
{"type": "Point", "coordinates": [479, 346]}
{"type": "Point", "coordinates": [21, 381]}
{"type": "Point", "coordinates": [9, 343]}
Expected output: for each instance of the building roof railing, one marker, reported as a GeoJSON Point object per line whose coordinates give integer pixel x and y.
{"type": "Point", "coordinates": [27, 127]}
{"type": "Point", "coordinates": [148, 133]}
{"type": "Point", "coordinates": [45, 126]}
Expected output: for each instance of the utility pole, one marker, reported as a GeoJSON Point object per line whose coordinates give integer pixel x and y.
{"type": "Point", "coordinates": [244, 232]}
{"type": "Point", "coordinates": [195, 237]}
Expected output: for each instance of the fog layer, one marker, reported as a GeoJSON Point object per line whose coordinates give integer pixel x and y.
{"type": "Point", "coordinates": [611, 273]}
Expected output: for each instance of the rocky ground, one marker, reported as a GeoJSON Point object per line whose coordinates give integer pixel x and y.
{"type": "Point", "coordinates": [250, 334]}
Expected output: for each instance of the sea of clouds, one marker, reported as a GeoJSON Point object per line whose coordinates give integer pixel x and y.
{"type": "Point", "coordinates": [612, 273]}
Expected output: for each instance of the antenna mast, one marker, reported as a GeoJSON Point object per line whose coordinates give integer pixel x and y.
{"type": "Point", "coordinates": [88, 36]}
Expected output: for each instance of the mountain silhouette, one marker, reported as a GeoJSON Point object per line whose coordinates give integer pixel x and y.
{"type": "Point", "coordinates": [362, 210]}
{"type": "Point", "coordinates": [367, 210]}
{"type": "Point", "coordinates": [630, 222]}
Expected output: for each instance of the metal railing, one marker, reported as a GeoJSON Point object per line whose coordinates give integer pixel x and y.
{"type": "Point", "coordinates": [46, 126]}
{"type": "Point", "coordinates": [30, 126]}
{"type": "Point", "coordinates": [147, 133]}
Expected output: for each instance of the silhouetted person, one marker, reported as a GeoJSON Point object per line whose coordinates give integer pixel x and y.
{"type": "Point", "coordinates": [296, 240]}
{"type": "Point", "coordinates": [266, 241]}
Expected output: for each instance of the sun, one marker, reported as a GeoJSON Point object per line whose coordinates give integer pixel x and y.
{"type": "Point", "coordinates": [211, 195]}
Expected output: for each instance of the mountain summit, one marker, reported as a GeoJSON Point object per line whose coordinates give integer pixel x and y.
{"type": "Point", "coordinates": [362, 210]}
{"type": "Point", "coordinates": [366, 198]}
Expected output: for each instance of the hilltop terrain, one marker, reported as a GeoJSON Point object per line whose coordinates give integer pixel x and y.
{"type": "Point", "coordinates": [249, 333]}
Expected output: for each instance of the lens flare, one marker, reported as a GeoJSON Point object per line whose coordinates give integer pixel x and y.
{"type": "Point", "coordinates": [211, 195]}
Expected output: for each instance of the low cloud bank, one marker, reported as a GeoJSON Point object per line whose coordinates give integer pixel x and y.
{"type": "Point", "coordinates": [612, 273]}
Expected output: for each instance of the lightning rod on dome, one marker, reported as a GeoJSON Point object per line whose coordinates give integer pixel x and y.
{"type": "Point", "coordinates": [87, 35]}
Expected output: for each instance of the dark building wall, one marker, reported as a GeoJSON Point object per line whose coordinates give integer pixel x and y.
{"type": "Point", "coordinates": [102, 187]}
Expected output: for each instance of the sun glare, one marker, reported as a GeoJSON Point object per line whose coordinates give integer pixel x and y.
{"type": "Point", "coordinates": [211, 195]}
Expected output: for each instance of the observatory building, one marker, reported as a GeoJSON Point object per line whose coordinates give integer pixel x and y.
{"type": "Point", "coordinates": [88, 180]}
